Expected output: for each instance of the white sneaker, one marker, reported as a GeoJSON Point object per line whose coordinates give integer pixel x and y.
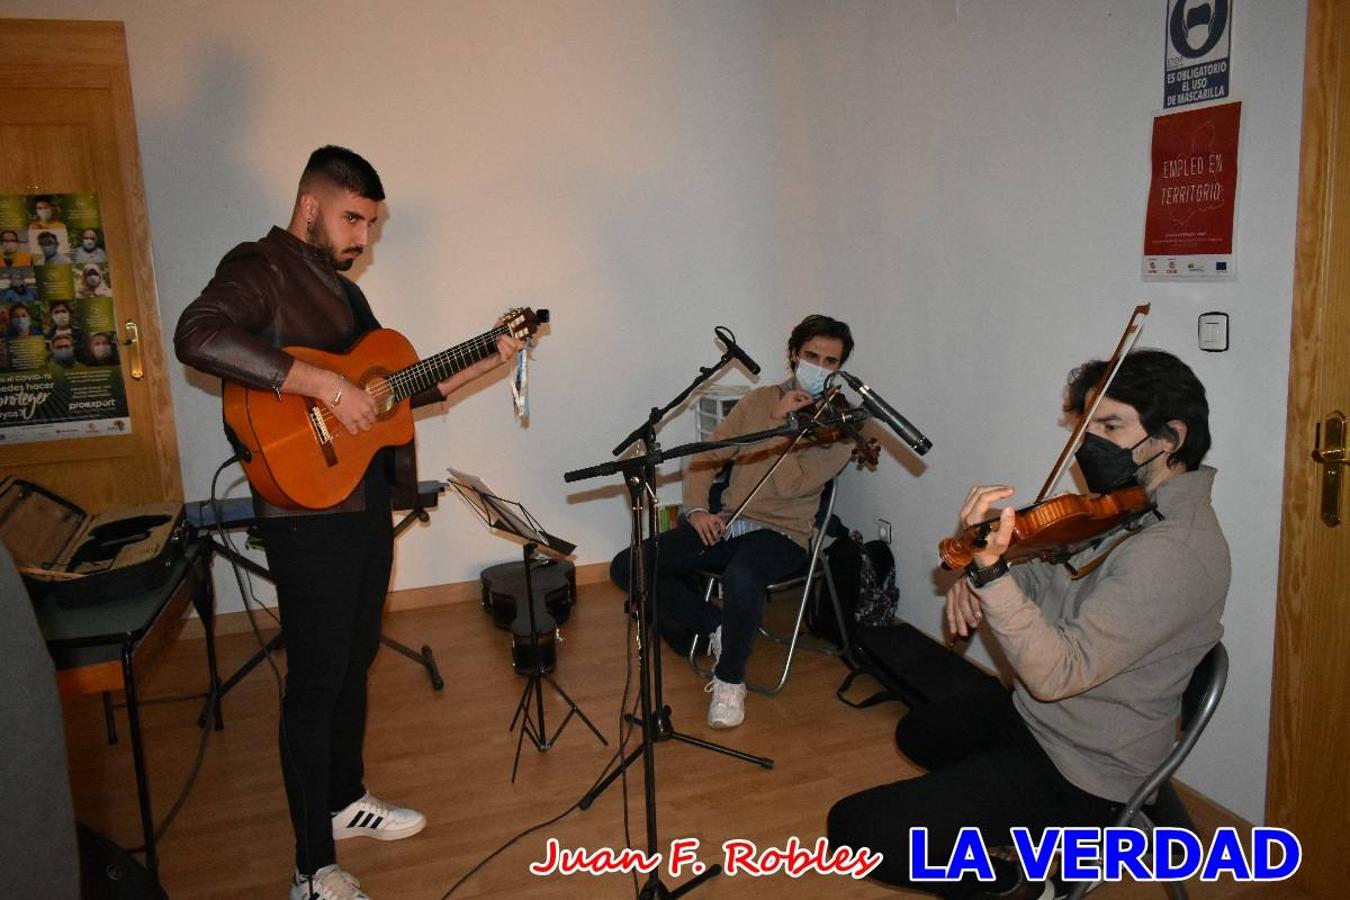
{"type": "Point", "coordinates": [727, 707]}
{"type": "Point", "coordinates": [373, 818]}
{"type": "Point", "coordinates": [715, 645]}
{"type": "Point", "coordinates": [329, 883]}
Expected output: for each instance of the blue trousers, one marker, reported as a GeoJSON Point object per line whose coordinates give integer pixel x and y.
{"type": "Point", "coordinates": [746, 564]}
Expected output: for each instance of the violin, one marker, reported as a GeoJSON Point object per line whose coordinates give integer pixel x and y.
{"type": "Point", "coordinates": [866, 451]}
{"type": "Point", "coordinates": [1053, 529]}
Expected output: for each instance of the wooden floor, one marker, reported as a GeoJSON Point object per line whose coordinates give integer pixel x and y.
{"type": "Point", "coordinates": [449, 753]}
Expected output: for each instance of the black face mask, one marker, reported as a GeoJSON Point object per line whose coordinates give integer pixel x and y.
{"type": "Point", "coordinates": [1107, 466]}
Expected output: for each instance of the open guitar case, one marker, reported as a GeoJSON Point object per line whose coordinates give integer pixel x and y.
{"type": "Point", "coordinates": [80, 559]}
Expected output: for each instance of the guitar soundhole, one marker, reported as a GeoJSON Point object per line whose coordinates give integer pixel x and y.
{"type": "Point", "coordinates": [378, 387]}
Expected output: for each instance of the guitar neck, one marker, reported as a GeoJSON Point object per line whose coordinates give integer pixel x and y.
{"type": "Point", "coordinates": [435, 369]}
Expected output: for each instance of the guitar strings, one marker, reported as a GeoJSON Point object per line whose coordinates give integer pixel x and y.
{"type": "Point", "coordinates": [402, 383]}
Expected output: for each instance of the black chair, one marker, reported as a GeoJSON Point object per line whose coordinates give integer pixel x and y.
{"type": "Point", "coordinates": [814, 576]}
{"type": "Point", "coordinates": [1198, 704]}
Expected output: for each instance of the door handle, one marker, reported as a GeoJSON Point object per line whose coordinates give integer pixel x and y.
{"type": "Point", "coordinates": [1330, 454]}
{"type": "Point", "coordinates": [133, 345]}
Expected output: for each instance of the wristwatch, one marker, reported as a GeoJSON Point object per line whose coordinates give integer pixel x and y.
{"type": "Point", "coordinates": [979, 577]}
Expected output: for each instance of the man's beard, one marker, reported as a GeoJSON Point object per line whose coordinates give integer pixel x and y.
{"type": "Point", "coordinates": [317, 235]}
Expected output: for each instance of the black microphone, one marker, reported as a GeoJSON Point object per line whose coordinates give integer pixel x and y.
{"type": "Point", "coordinates": [883, 411]}
{"type": "Point", "coordinates": [733, 350]}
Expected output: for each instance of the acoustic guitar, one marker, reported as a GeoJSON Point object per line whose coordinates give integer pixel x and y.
{"type": "Point", "coordinates": [297, 455]}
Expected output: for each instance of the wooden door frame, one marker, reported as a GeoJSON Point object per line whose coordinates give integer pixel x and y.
{"type": "Point", "coordinates": [101, 48]}
{"type": "Point", "coordinates": [1300, 512]}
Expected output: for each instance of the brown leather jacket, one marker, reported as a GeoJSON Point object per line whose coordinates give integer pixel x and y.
{"type": "Point", "coordinates": [273, 293]}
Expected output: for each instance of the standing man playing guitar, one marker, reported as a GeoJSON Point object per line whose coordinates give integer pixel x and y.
{"type": "Point", "coordinates": [331, 565]}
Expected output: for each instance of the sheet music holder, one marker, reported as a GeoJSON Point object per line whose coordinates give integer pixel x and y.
{"type": "Point", "coordinates": [505, 515]}
{"type": "Point", "coordinates": [511, 517]}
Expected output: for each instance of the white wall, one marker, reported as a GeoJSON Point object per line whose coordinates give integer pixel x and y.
{"type": "Point", "coordinates": [963, 181]}
{"type": "Point", "coordinates": [601, 160]}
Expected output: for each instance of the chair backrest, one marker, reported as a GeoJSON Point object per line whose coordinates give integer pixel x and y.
{"type": "Point", "coordinates": [1198, 704]}
{"type": "Point", "coordinates": [821, 525]}
{"type": "Point", "coordinates": [819, 531]}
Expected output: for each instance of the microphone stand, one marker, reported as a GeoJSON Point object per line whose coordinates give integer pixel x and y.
{"type": "Point", "coordinates": [639, 473]}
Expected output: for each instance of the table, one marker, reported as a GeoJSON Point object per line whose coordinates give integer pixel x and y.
{"type": "Point", "coordinates": [95, 649]}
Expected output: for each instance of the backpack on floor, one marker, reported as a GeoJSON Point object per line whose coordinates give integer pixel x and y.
{"type": "Point", "coordinates": [863, 575]}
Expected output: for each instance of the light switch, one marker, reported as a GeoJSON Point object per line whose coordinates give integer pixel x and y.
{"type": "Point", "coordinates": [1213, 330]}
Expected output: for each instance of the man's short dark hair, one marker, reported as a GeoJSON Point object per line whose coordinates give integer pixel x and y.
{"type": "Point", "coordinates": [347, 170]}
{"type": "Point", "coordinates": [1161, 388]}
{"type": "Point", "coordinates": [819, 326]}
{"type": "Point", "coordinates": [47, 237]}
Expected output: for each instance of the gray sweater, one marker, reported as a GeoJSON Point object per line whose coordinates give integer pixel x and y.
{"type": "Point", "coordinates": [1102, 662]}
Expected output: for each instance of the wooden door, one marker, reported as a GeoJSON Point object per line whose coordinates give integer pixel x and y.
{"type": "Point", "coordinates": [68, 128]}
{"type": "Point", "coordinates": [1309, 782]}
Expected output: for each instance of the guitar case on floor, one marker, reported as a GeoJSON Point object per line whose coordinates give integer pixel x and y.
{"type": "Point", "coordinates": [909, 665]}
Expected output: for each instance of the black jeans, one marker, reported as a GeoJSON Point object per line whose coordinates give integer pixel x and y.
{"type": "Point", "coordinates": [332, 574]}
{"type": "Point", "coordinates": [985, 769]}
{"type": "Point", "coordinates": [746, 564]}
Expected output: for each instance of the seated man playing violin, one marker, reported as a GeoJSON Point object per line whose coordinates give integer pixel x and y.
{"type": "Point", "coordinates": [769, 540]}
{"type": "Point", "coordinates": [1102, 647]}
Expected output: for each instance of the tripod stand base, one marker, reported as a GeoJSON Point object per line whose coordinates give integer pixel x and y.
{"type": "Point", "coordinates": [655, 890]}
{"type": "Point", "coordinates": [536, 730]}
{"type": "Point", "coordinates": [665, 732]}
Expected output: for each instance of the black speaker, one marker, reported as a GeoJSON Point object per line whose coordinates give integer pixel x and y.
{"type": "Point", "coordinates": [107, 872]}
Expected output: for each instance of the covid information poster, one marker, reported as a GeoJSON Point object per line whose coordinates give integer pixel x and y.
{"type": "Point", "coordinates": [60, 370]}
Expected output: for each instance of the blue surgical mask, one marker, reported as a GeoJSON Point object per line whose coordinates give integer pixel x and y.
{"type": "Point", "coordinates": [811, 377]}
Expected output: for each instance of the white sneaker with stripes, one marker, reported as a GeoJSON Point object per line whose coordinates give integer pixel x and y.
{"type": "Point", "coordinates": [329, 883]}
{"type": "Point", "coordinates": [373, 818]}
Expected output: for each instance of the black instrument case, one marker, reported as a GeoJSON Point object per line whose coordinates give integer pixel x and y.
{"type": "Point", "coordinates": [81, 559]}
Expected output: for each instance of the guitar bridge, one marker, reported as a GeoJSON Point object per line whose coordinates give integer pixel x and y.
{"type": "Point", "coordinates": [322, 435]}
{"type": "Point", "coordinates": [321, 432]}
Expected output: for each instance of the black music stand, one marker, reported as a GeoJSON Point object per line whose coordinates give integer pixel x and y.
{"type": "Point", "coordinates": [511, 517]}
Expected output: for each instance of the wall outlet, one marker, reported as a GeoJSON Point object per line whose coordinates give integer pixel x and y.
{"type": "Point", "coordinates": [884, 530]}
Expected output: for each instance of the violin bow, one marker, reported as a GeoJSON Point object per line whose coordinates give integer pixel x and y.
{"type": "Point", "coordinates": [1127, 342]}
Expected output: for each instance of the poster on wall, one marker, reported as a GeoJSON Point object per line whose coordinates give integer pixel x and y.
{"type": "Point", "coordinates": [60, 370]}
{"type": "Point", "coordinates": [1195, 64]}
{"type": "Point", "coordinates": [1192, 197]}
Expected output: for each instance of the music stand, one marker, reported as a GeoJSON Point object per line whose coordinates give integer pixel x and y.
{"type": "Point", "coordinates": [511, 517]}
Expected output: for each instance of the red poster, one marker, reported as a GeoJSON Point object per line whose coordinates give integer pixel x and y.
{"type": "Point", "coordinates": [1188, 230]}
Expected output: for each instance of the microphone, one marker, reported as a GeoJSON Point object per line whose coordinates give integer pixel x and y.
{"type": "Point", "coordinates": [733, 349]}
{"type": "Point", "coordinates": [883, 411]}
